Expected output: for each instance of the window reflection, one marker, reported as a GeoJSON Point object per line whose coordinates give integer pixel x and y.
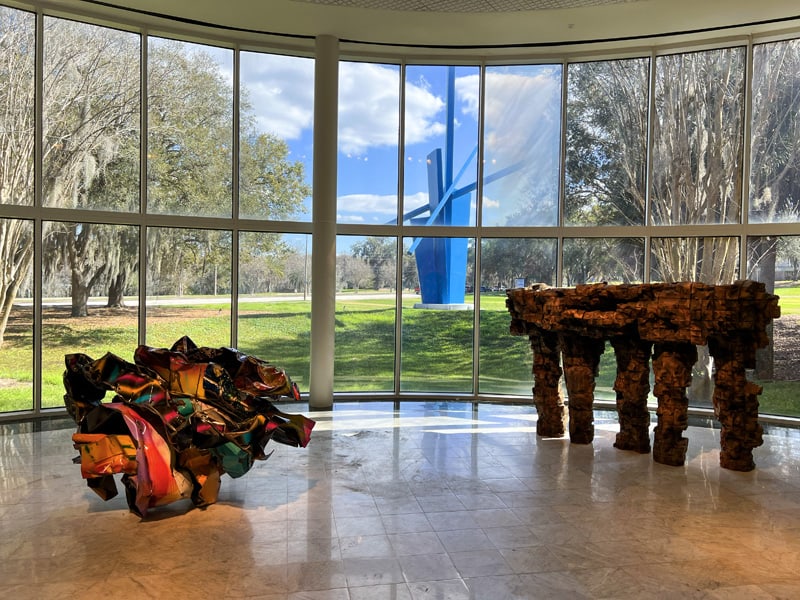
{"type": "Point", "coordinates": [522, 139]}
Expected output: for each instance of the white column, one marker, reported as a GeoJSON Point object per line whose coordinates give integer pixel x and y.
{"type": "Point", "coordinates": [323, 256]}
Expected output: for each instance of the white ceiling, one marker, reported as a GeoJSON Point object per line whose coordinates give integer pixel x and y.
{"type": "Point", "coordinates": [466, 6]}
{"type": "Point", "coordinates": [452, 25]}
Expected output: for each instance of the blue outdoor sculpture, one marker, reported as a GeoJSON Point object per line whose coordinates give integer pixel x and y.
{"type": "Point", "coordinates": [442, 262]}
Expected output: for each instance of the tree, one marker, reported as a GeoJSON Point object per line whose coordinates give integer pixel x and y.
{"type": "Point", "coordinates": [503, 260]}
{"type": "Point", "coordinates": [352, 272]}
{"type": "Point", "coordinates": [607, 115]}
{"type": "Point", "coordinates": [379, 253]}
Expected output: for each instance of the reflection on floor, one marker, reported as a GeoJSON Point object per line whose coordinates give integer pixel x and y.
{"type": "Point", "coordinates": [438, 500]}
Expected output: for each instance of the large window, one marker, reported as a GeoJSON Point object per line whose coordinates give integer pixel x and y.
{"type": "Point", "coordinates": [189, 129]}
{"type": "Point", "coordinates": [606, 166]}
{"type": "Point", "coordinates": [441, 144]}
{"type": "Point", "coordinates": [775, 133]}
{"type": "Point", "coordinates": [90, 120]}
{"type": "Point", "coordinates": [697, 138]}
{"type": "Point", "coordinates": [369, 134]}
{"type": "Point", "coordinates": [521, 144]}
{"type": "Point", "coordinates": [366, 282]}
{"type": "Point", "coordinates": [276, 110]}
{"type": "Point", "coordinates": [163, 189]}
{"type": "Point", "coordinates": [274, 303]}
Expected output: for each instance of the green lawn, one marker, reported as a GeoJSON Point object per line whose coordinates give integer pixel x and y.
{"type": "Point", "coordinates": [437, 347]}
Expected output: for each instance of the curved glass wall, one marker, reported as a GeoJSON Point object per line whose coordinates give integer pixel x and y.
{"type": "Point", "coordinates": [158, 188]}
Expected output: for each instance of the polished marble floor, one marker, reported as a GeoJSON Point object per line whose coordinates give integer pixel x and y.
{"type": "Point", "coordinates": [435, 501]}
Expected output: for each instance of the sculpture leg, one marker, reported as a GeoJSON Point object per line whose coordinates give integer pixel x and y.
{"type": "Point", "coordinates": [547, 395]}
{"type": "Point", "coordinates": [581, 357]}
{"type": "Point", "coordinates": [632, 385]}
{"type": "Point", "coordinates": [672, 366]}
{"type": "Point", "coordinates": [736, 402]}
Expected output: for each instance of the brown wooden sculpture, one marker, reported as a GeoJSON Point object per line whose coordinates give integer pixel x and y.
{"type": "Point", "coordinates": [569, 326]}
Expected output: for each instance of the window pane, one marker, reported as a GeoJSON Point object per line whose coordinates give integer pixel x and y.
{"type": "Point", "coordinates": [775, 133]}
{"type": "Point", "coordinates": [366, 278]}
{"type": "Point", "coordinates": [613, 260]}
{"type": "Point", "coordinates": [606, 142]}
{"type": "Point", "coordinates": [505, 361]}
{"type": "Point", "coordinates": [17, 48]}
{"type": "Point", "coordinates": [89, 288]}
{"type": "Point", "coordinates": [697, 138]}
{"type": "Point", "coordinates": [90, 140]}
{"type": "Point", "coordinates": [16, 334]}
{"type": "Point", "coordinates": [276, 111]}
{"type": "Point", "coordinates": [274, 313]}
{"type": "Point", "coordinates": [188, 286]}
{"type": "Point", "coordinates": [712, 260]}
{"type": "Point", "coordinates": [369, 129]}
{"type": "Point", "coordinates": [522, 140]}
{"type": "Point", "coordinates": [775, 261]}
{"type": "Point", "coordinates": [437, 326]}
{"type": "Point", "coordinates": [190, 128]}
{"type": "Point", "coordinates": [441, 144]}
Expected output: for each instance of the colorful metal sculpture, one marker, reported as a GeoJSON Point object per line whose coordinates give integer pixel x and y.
{"type": "Point", "coordinates": [179, 419]}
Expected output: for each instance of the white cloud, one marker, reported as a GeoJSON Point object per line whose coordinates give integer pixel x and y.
{"type": "Point", "coordinates": [412, 201]}
{"type": "Point", "coordinates": [280, 91]}
{"type": "Point", "coordinates": [376, 208]}
{"type": "Point", "coordinates": [369, 104]}
{"type": "Point", "coordinates": [358, 206]}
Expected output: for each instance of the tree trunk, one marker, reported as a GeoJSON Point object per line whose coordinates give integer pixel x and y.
{"type": "Point", "coordinates": [116, 290]}
{"type": "Point", "coordinates": [80, 296]}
